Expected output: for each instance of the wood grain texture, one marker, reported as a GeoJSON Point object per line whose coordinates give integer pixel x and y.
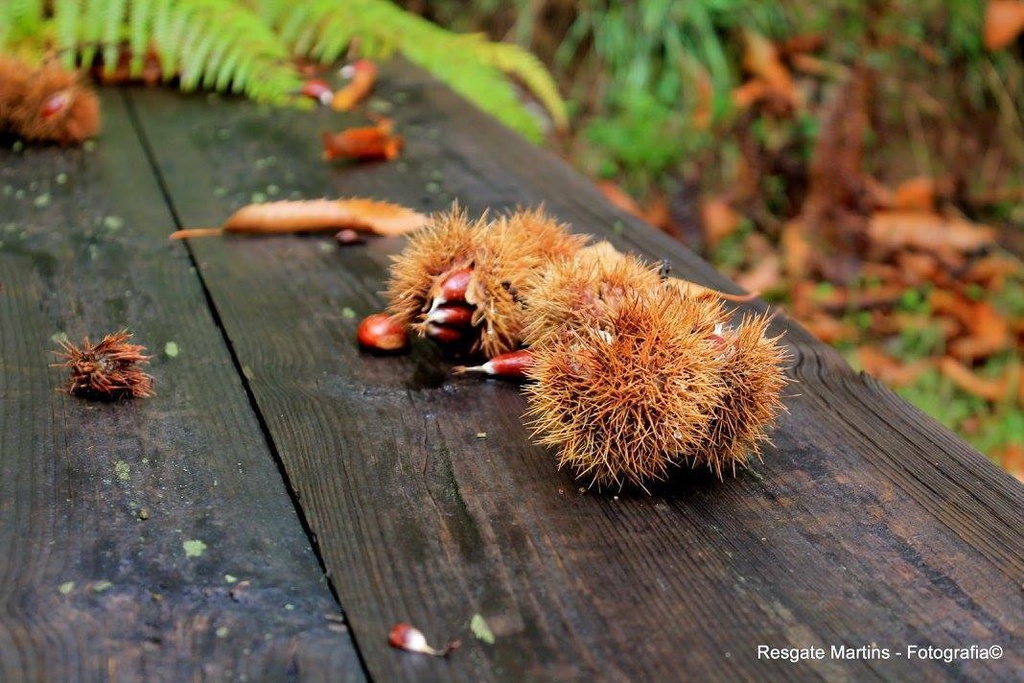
{"type": "Point", "coordinates": [867, 523]}
{"type": "Point", "coordinates": [98, 499]}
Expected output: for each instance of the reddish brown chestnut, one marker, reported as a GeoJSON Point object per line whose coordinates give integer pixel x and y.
{"type": "Point", "coordinates": [381, 332]}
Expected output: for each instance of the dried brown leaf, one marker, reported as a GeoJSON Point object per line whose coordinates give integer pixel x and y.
{"type": "Point", "coordinates": [718, 219]}
{"type": "Point", "coordinates": [761, 58]}
{"type": "Point", "coordinates": [619, 198]}
{"type": "Point", "coordinates": [990, 333]}
{"type": "Point", "coordinates": [796, 250]}
{"type": "Point", "coordinates": [1004, 20]}
{"type": "Point", "coordinates": [766, 275]}
{"type": "Point", "coordinates": [988, 389]}
{"type": "Point", "coordinates": [991, 271]}
{"type": "Point", "coordinates": [888, 369]}
{"type": "Point", "coordinates": [916, 194]}
{"type": "Point", "coordinates": [927, 231]}
{"type": "Point", "coordinates": [367, 143]}
{"type": "Point", "coordinates": [364, 76]}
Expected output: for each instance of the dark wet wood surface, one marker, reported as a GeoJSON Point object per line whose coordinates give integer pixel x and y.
{"type": "Point", "coordinates": [867, 523]}
{"type": "Point", "coordinates": [143, 540]}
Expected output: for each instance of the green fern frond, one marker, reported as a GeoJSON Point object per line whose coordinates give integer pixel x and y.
{"type": "Point", "coordinates": [247, 45]}
{"type": "Point", "coordinates": [515, 61]}
{"type": "Point", "coordinates": [473, 67]}
{"type": "Point", "coordinates": [219, 43]}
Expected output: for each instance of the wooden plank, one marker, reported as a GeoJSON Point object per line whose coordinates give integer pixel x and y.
{"type": "Point", "coordinates": [866, 524]}
{"type": "Point", "coordinates": [98, 500]}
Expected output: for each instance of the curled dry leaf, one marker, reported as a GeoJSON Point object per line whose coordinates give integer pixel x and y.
{"type": "Point", "coordinates": [796, 249]}
{"type": "Point", "coordinates": [363, 75]}
{"type": "Point", "coordinates": [888, 369]}
{"type": "Point", "coordinates": [315, 215]}
{"type": "Point", "coordinates": [368, 143]}
{"type": "Point", "coordinates": [927, 231]}
{"type": "Point", "coordinates": [658, 213]}
{"type": "Point", "coordinates": [766, 275]}
{"type": "Point", "coordinates": [749, 93]}
{"type": "Point", "coordinates": [718, 219]}
{"type": "Point", "coordinates": [619, 198]}
{"type": "Point", "coordinates": [815, 66]}
{"type": "Point", "coordinates": [916, 194]}
{"type": "Point", "coordinates": [915, 268]}
{"type": "Point", "coordinates": [827, 329]}
{"type": "Point", "coordinates": [992, 271]}
{"type": "Point", "coordinates": [989, 333]}
{"type": "Point", "coordinates": [1004, 20]}
{"type": "Point", "coordinates": [761, 58]}
{"type": "Point", "coordinates": [1012, 458]}
{"type": "Point", "coordinates": [961, 375]}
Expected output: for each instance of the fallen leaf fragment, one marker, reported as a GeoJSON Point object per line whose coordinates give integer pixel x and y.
{"type": "Point", "coordinates": [761, 58]}
{"type": "Point", "coordinates": [992, 271]}
{"type": "Point", "coordinates": [888, 369]}
{"type": "Point", "coordinates": [796, 249]}
{"type": "Point", "coordinates": [961, 375]}
{"type": "Point", "coordinates": [406, 637]}
{"type": "Point", "coordinates": [827, 328]}
{"type": "Point", "coordinates": [927, 231]}
{"type": "Point", "coordinates": [749, 93]}
{"type": "Point", "coordinates": [657, 212]}
{"type": "Point", "coordinates": [367, 143]}
{"type": "Point", "coordinates": [815, 66]}
{"type": "Point", "coordinates": [916, 194]}
{"type": "Point", "coordinates": [619, 198]}
{"type": "Point", "coordinates": [1011, 457]}
{"type": "Point", "coordinates": [804, 42]}
{"type": "Point", "coordinates": [363, 75]}
{"type": "Point", "coordinates": [1004, 20]}
{"type": "Point", "coordinates": [316, 215]}
{"type": "Point", "coordinates": [766, 275]}
{"type": "Point", "coordinates": [990, 333]}
{"type": "Point", "coordinates": [718, 219]}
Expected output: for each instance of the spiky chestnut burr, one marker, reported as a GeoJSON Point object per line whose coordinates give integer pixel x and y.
{"type": "Point", "coordinates": [108, 370]}
{"type": "Point", "coordinates": [753, 373]}
{"type": "Point", "coordinates": [449, 242]}
{"type": "Point", "coordinates": [574, 292]}
{"type": "Point", "coordinates": [625, 396]}
{"type": "Point", "coordinates": [51, 105]}
{"type": "Point", "coordinates": [478, 264]}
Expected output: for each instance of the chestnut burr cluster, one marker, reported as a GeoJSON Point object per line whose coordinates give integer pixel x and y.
{"type": "Point", "coordinates": [631, 373]}
{"type": "Point", "coordinates": [106, 371]}
{"type": "Point", "coordinates": [47, 104]}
